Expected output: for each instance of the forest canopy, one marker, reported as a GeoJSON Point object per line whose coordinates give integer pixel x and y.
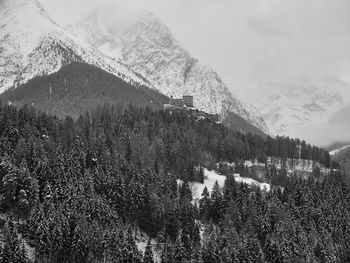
{"type": "Point", "coordinates": [83, 190]}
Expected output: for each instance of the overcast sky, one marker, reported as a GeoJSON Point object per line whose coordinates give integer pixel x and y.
{"type": "Point", "coordinates": [246, 41]}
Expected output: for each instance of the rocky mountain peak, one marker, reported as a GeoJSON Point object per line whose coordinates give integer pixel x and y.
{"type": "Point", "coordinates": [148, 46]}
{"type": "Point", "coordinates": [139, 48]}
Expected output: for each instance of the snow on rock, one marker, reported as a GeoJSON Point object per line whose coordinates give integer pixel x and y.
{"type": "Point", "coordinates": [32, 44]}
{"type": "Point", "coordinates": [305, 100]}
{"type": "Point", "coordinates": [110, 50]}
{"type": "Point", "coordinates": [148, 47]}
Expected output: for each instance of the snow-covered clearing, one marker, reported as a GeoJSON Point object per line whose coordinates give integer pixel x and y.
{"type": "Point", "coordinates": [263, 186]}
{"type": "Point", "coordinates": [250, 164]}
{"type": "Point", "coordinates": [210, 177]}
{"type": "Point", "coordinates": [336, 151]}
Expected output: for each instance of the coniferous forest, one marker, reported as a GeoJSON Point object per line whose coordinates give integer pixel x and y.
{"type": "Point", "coordinates": [86, 189]}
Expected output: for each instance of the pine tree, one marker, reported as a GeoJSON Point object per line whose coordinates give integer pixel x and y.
{"type": "Point", "coordinates": [211, 252]}
{"type": "Point", "coordinates": [6, 255]}
{"type": "Point", "coordinates": [204, 204]}
{"type": "Point", "coordinates": [23, 204]}
{"type": "Point", "coordinates": [200, 175]}
{"type": "Point", "coordinates": [14, 250]}
{"type": "Point", "coordinates": [148, 255]}
{"type": "Point", "coordinates": [197, 255]}
{"type": "Point", "coordinates": [21, 255]}
{"type": "Point", "coordinates": [216, 203]}
{"type": "Point", "coordinates": [180, 255]}
{"type": "Point", "coordinates": [230, 189]}
{"type": "Point", "coordinates": [185, 192]}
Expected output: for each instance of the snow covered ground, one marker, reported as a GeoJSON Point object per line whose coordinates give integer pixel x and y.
{"type": "Point", "coordinates": [263, 186]}
{"type": "Point", "coordinates": [334, 152]}
{"type": "Point", "coordinates": [210, 177]}
{"type": "Point", "coordinates": [209, 180]}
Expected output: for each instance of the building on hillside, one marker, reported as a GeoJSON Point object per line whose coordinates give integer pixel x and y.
{"type": "Point", "coordinates": [174, 104]}
{"type": "Point", "coordinates": [188, 101]}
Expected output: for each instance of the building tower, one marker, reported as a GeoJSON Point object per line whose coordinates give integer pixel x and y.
{"type": "Point", "coordinates": [188, 100]}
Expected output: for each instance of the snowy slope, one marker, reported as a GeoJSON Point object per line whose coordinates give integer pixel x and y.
{"type": "Point", "coordinates": [22, 24]}
{"type": "Point", "coordinates": [210, 177]}
{"type": "Point", "coordinates": [32, 44]}
{"type": "Point", "coordinates": [309, 99]}
{"type": "Point", "coordinates": [336, 151]}
{"type": "Point", "coordinates": [148, 46]}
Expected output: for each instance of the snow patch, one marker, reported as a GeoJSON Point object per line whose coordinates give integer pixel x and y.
{"type": "Point", "coordinates": [210, 177]}
{"type": "Point", "coordinates": [336, 151]}
{"type": "Point", "coordinates": [263, 186]}
{"type": "Point", "coordinates": [111, 50]}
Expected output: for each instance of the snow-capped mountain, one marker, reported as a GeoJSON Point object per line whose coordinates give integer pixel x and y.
{"type": "Point", "coordinates": [309, 99]}
{"type": "Point", "coordinates": [144, 43]}
{"type": "Point", "coordinates": [141, 51]}
{"type": "Point", "coordinates": [32, 44]}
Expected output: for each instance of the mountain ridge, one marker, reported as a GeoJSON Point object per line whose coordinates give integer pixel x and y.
{"type": "Point", "coordinates": [36, 46]}
{"type": "Point", "coordinates": [26, 44]}
{"type": "Point", "coordinates": [305, 100]}
{"type": "Point", "coordinates": [77, 88]}
{"type": "Point", "coordinates": [148, 46]}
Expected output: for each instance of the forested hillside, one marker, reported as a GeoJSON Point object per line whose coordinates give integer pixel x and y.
{"type": "Point", "coordinates": [77, 88]}
{"type": "Point", "coordinates": [84, 191]}
{"type": "Point", "coordinates": [343, 157]}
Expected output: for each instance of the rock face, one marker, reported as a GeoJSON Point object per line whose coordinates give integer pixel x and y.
{"type": "Point", "coordinates": [32, 44]}
{"type": "Point", "coordinates": [145, 44]}
{"type": "Point", "coordinates": [309, 99]}
{"type": "Point", "coordinates": [141, 50]}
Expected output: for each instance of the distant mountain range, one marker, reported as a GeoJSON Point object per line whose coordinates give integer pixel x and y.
{"type": "Point", "coordinates": [141, 52]}
{"type": "Point", "coordinates": [306, 100]}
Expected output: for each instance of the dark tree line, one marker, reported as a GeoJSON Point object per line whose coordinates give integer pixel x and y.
{"type": "Point", "coordinates": [286, 147]}
{"type": "Point", "coordinates": [306, 222]}
{"type": "Point", "coordinates": [81, 191]}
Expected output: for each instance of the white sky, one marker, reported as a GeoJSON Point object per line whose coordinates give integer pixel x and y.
{"type": "Point", "coordinates": [246, 41]}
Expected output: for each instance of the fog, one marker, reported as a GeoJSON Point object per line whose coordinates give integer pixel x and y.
{"type": "Point", "coordinates": [323, 134]}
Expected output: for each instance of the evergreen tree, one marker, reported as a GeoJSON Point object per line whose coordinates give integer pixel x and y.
{"type": "Point", "coordinates": [204, 204]}
{"type": "Point", "coordinates": [185, 192]}
{"type": "Point", "coordinates": [180, 254]}
{"type": "Point", "coordinates": [216, 203]}
{"type": "Point", "coordinates": [148, 255]}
